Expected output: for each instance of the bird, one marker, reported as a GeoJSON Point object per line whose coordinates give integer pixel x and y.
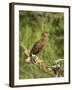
{"type": "Point", "coordinates": [39, 45]}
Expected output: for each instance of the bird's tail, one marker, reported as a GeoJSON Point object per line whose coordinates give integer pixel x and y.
{"type": "Point", "coordinates": [31, 57]}
{"type": "Point", "coordinates": [31, 53]}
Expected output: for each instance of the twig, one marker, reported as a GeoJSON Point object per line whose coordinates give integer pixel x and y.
{"type": "Point", "coordinates": [59, 60]}
{"type": "Point", "coordinates": [26, 53]}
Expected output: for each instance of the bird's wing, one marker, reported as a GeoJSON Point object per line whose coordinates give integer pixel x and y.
{"type": "Point", "coordinates": [37, 47]}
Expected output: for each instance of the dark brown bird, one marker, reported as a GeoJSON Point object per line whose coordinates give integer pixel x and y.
{"type": "Point", "coordinates": [39, 45]}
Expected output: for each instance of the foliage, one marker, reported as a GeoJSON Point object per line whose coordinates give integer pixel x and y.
{"type": "Point", "coordinates": [31, 26]}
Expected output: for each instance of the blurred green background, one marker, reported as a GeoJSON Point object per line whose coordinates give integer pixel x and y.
{"type": "Point", "coordinates": [31, 26]}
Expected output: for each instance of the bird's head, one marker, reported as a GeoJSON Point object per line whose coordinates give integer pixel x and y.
{"type": "Point", "coordinates": [45, 34]}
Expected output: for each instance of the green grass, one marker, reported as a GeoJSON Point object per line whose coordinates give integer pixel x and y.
{"type": "Point", "coordinates": [32, 25]}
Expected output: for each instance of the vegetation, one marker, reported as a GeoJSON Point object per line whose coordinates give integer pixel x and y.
{"type": "Point", "coordinates": [31, 26]}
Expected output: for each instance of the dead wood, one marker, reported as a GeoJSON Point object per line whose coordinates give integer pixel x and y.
{"type": "Point", "coordinates": [55, 68]}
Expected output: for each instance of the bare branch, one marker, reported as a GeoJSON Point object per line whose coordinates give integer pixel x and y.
{"type": "Point", "coordinates": [59, 60]}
